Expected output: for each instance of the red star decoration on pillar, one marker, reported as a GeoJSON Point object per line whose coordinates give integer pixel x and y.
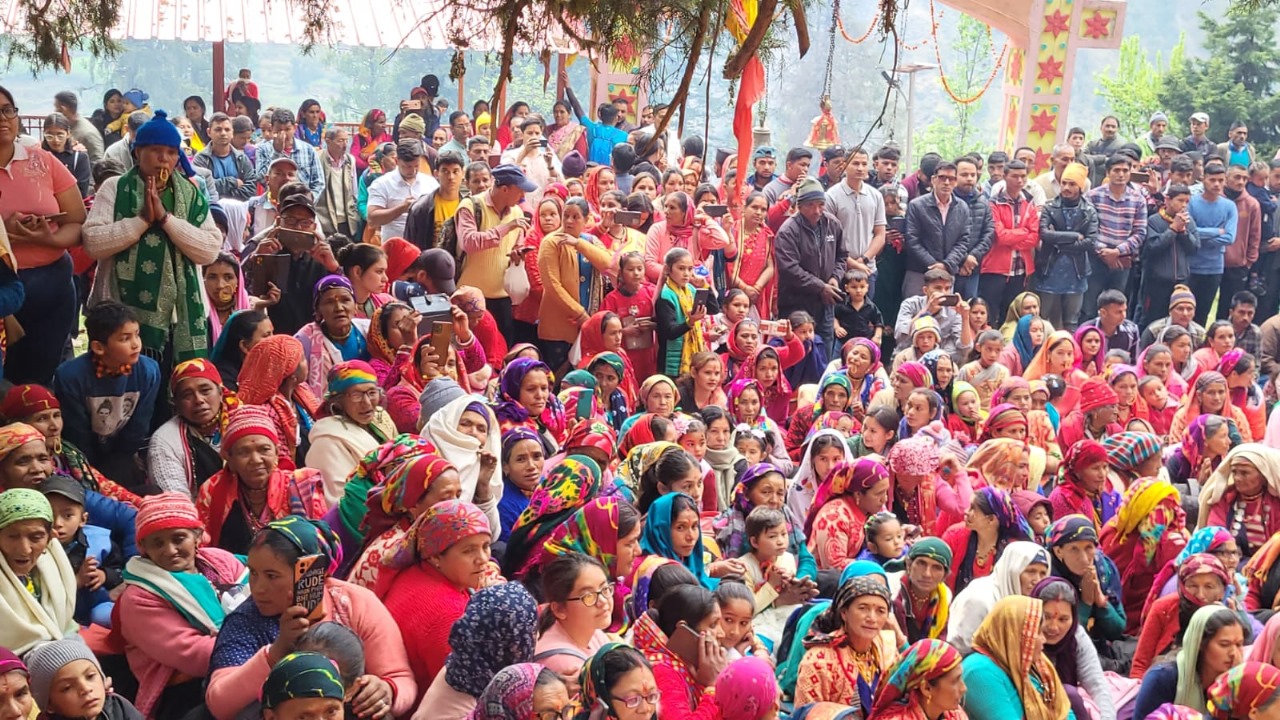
{"type": "Point", "coordinates": [1056, 24]}
{"type": "Point", "coordinates": [1012, 120]}
{"type": "Point", "coordinates": [1042, 160]}
{"type": "Point", "coordinates": [1050, 70]}
{"type": "Point", "coordinates": [1043, 123]}
{"type": "Point", "coordinates": [1015, 67]}
{"type": "Point", "coordinates": [1097, 26]}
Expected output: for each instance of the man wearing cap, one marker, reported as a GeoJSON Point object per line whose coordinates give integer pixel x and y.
{"type": "Point", "coordinates": [282, 144]}
{"type": "Point", "coordinates": [1068, 233]}
{"type": "Point", "coordinates": [764, 161]}
{"type": "Point", "coordinates": [1237, 150]}
{"type": "Point", "coordinates": [262, 208]}
{"type": "Point", "coordinates": [233, 174]}
{"type": "Point", "coordinates": [425, 92]}
{"type": "Point", "coordinates": [811, 258]}
{"type": "Point", "coordinates": [151, 230]}
{"type": "Point", "coordinates": [391, 195]}
{"type": "Point", "coordinates": [488, 227]}
{"type": "Point", "coordinates": [859, 208]}
{"type": "Point", "coordinates": [1167, 149]}
{"type": "Point", "coordinates": [432, 273]}
{"type": "Point", "coordinates": [833, 162]}
{"type": "Point", "coordinates": [937, 233]}
{"type": "Point", "coordinates": [1158, 124]}
{"type": "Point", "coordinates": [1198, 140]}
{"type": "Point", "coordinates": [291, 307]}
{"type": "Point", "coordinates": [1182, 312]}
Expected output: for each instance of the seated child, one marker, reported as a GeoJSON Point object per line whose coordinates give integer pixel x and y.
{"type": "Point", "coordinates": [924, 408]}
{"type": "Point", "coordinates": [925, 335]}
{"type": "Point", "coordinates": [98, 563]}
{"type": "Point", "coordinates": [746, 406]}
{"type": "Point", "coordinates": [67, 683]}
{"type": "Point", "coordinates": [965, 422]}
{"type": "Point", "coordinates": [108, 394]}
{"type": "Point", "coordinates": [856, 315]}
{"type": "Point", "coordinates": [879, 433]}
{"type": "Point", "coordinates": [986, 373]}
{"type": "Point", "coordinates": [692, 436]}
{"type": "Point", "coordinates": [751, 444]}
{"type": "Point", "coordinates": [1160, 406]}
{"type": "Point", "coordinates": [737, 612]}
{"type": "Point", "coordinates": [811, 367]}
{"type": "Point", "coordinates": [886, 539]}
{"type": "Point", "coordinates": [770, 567]}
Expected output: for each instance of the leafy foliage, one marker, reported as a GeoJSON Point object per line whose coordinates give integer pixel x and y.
{"type": "Point", "coordinates": [1133, 90]}
{"type": "Point", "coordinates": [967, 63]}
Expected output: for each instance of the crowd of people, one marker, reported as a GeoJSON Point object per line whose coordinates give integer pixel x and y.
{"type": "Point", "coordinates": [812, 438]}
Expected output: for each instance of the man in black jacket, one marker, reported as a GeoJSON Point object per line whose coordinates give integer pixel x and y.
{"type": "Point", "coordinates": [982, 227]}
{"type": "Point", "coordinates": [426, 217]}
{"type": "Point", "coordinates": [810, 255]}
{"type": "Point", "coordinates": [1068, 236]}
{"type": "Point", "coordinates": [1171, 240]}
{"type": "Point", "coordinates": [937, 231]}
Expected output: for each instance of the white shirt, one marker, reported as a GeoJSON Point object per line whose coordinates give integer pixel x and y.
{"type": "Point", "coordinates": [859, 212]}
{"type": "Point", "coordinates": [391, 189]}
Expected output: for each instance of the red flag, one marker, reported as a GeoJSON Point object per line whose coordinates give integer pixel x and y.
{"type": "Point", "coordinates": [750, 92]}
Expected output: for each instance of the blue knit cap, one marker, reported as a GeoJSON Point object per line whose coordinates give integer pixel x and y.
{"type": "Point", "coordinates": [159, 131]}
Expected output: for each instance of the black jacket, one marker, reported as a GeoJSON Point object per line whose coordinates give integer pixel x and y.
{"type": "Point", "coordinates": [929, 240]}
{"type": "Point", "coordinates": [1057, 237]}
{"type": "Point", "coordinates": [982, 226]}
{"type": "Point", "coordinates": [1166, 254]}
{"type": "Point", "coordinates": [807, 256]}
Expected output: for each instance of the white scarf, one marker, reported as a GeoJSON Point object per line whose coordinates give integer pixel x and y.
{"type": "Point", "coordinates": [26, 622]}
{"type": "Point", "coordinates": [973, 604]}
{"type": "Point", "coordinates": [463, 450]}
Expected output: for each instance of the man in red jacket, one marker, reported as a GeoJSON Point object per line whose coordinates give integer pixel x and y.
{"type": "Point", "coordinates": [1011, 260]}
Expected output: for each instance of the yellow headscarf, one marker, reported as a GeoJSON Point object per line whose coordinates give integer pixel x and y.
{"type": "Point", "coordinates": [1006, 636]}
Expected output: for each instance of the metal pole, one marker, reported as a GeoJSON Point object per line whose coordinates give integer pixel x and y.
{"type": "Point", "coordinates": [907, 166]}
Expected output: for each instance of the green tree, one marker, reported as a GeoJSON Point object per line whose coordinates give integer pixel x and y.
{"type": "Point", "coordinates": [1132, 90]}
{"type": "Point", "coordinates": [967, 64]}
{"type": "Point", "coordinates": [1237, 80]}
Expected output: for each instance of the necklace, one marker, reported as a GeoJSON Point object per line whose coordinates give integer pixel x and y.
{"type": "Point", "coordinates": [866, 664]}
{"type": "Point", "coordinates": [984, 558]}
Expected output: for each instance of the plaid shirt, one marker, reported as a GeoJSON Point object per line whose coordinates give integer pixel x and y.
{"type": "Point", "coordinates": [1122, 224]}
{"type": "Point", "coordinates": [1250, 340]}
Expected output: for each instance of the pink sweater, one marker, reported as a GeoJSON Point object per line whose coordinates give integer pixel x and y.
{"type": "Point", "coordinates": [710, 237]}
{"type": "Point", "coordinates": [231, 690]}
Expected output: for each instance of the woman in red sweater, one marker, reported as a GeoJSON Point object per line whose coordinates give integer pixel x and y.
{"type": "Point", "coordinates": [685, 690]}
{"type": "Point", "coordinates": [443, 559]}
{"type": "Point", "coordinates": [1201, 581]}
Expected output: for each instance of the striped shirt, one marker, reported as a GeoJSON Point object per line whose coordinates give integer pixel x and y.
{"type": "Point", "coordinates": [1122, 224]}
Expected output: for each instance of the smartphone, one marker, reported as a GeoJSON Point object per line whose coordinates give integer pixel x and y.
{"type": "Point", "coordinates": [701, 297]}
{"type": "Point", "coordinates": [441, 337]}
{"type": "Point", "coordinates": [55, 217]}
{"type": "Point", "coordinates": [1139, 177]}
{"type": "Point", "coordinates": [542, 143]}
{"type": "Point", "coordinates": [308, 585]}
{"type": "Point", "coordinates": [267, 270]}
{"type": "Point", "coordinates": [950, 300]}
{"type": "Point", "coordinates": [412, 104]}
{"type": "Point", "coordinates": [769, 328]}
{"type": "Point", "coordinates": [684, 643]}
{"type": "Point", "coordinates": [295, 240]}
{"type": "Point", "coordinates": [627, 218]}
{"type": "Point", "coordinates": [715, 211]}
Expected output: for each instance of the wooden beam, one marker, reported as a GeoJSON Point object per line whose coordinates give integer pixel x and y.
{"type": "Point", "coordinates": [217, 102]}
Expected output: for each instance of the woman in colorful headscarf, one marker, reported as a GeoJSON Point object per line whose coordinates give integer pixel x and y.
{"type": "Point", "coordinates": [1245, 692]}
{"type": "Point", "coordinates": [37, 583]}
{"type": "Point", "coordinates": [1027, 341]}
{"type": "Point", "coordinates": [1202, 580]}
{"type": "Point", "coordinates": [1083, 489]}
{"type": "Point", "coordinates": [683, 226]}
{"type": "Point", "coordinates": [183, 452]}
{"type": "Point", "coordinates": [1212, 540]}
{"type": "Point", "coordinates": [1070, 649]}
{"type": "Point", "coordinates": [524, 691]}
{"type": "Point", "coordinates": [273, 376]}
{"type": "Point", "coordinates": [428, 578]}
{"type": "Point", "coordinates": [1241, 371]}
{"type": "Point", "coordinates": [482, 648]}
{"type": "Point", "coordinates": [1243, 495]}
{"type": "Point", "coordinates": [746, 407]}
{"type": "Point", "coordinates": [1262, 573]}
{"type": "Point", "coordinates": [1212, 644]}
{"type": "Point", "coordinates": [766, 366]}
{"type": "Point", "coordinates": [615, 386]}
{"type": "Point", "coordinates": [617, 683]}
{"type": "Point", "coordinates": [173, 605]}
{"type": "Point", "coordinates": [304, 684]}
{"type": "Point", "coordinates": [925, 490]}
{"type": "Point", "coordinates": [1003, 463]}
{"type": "Point", "coordinates": [261, 631]}
{"type": "Point", "coordinates": [1132, 455]}
{"type": "Point", "coordinates": [371, 134]}
{"type": "Point", "coordinates": [525, 399]}
{"type": "Point", "coordinates": [354, 425]}
{"type": "Point", "coordinates": [848, 655]}
{"type": "Point", "coordinates": [569, 485]}
{"type": "Point", "coordinates": [835, 392]}
{"type": "Point", "coordinates": [669, 527]}
{"type": "Point", "coordinates": [941, 369]}
{"type": "Point", "coordinates": [965, 414]}
{"type": "Point", "coordinates": [1076, 558]}
{"type": "Point", "coordinates": [1041, 433]}
{"type": "Point", "coordinates": [1205, 443]}
{"type": "Point", "coordinates": [1059, 356]}
{"type": "Point", "coordinates": [1123, 379]}
{"type": "Point", "coordinates": [922, 605]}
{"type": "Point", "coordinates": [336, 334]}
{"type": "Point", "coordinates": [866, 373]}
{"type": "Point", "coordinates": [991, 523]}
{"type": "Point", "coordinates": [1023, 305]}
{"type": "Point", "coordinates": [421, 366]}
{"type": "Point", "coordinates": [392, 333]}
{"type": "Point", "coordinates": [15, 686]}
{"type": "Point", "coordinates": [1020, 567]}
{"type": "Point", "coordinates": [1009, 675]}
{"type": "Point", "coordinates": [1209, 396]}
{"type": "Point", "coordinates": [253, 489]}
{"type": "Point", "coordinates": [762, 485]}
{"type": "Point", "coordinates": [849, 494]}
{"type": "Point", "coordinates": [1147, 531]}
{"type": "Point", "coordinates": [1093, 350]}
{"type": "Point", "coordinates": [925, 682]}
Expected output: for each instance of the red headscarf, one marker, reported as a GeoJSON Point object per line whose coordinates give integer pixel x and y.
{"type": "Point", "coordinates": [265, 369]}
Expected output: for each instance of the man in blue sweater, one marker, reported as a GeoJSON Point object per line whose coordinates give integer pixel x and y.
{"type": "Point", "coordinates": [1215, 217]}
{"type": "Point", "coordinates": [602, 135]}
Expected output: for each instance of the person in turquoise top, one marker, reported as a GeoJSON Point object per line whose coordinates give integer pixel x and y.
{"type": "Point", "coordinates": [1008, 676]}
{"type": "Point", "coordinates": [678, 317]}
{"type": "Point", "coordinates": [672, 530]}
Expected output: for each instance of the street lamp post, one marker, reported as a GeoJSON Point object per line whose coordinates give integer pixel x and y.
{"type": "Point", "coordinates": [910, 70]}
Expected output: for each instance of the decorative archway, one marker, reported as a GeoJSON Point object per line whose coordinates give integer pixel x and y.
{"type": "Point", "coordinates": [1044, 36]}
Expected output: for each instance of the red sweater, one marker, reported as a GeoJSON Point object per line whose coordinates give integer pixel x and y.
{"type": "Point", "coordinates": [679, 699]}
{"type": "Point", "coordinates": [1160, 627]}
{"type": "Point", "coordinates": [495, 346]}
{"type": "Point", "coordinates": [425, 605]}
{"type": "Point", "coordinates": [640, 306]}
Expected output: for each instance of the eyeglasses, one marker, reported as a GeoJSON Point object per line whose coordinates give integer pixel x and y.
{"type": "Point", "coordinates": [369, 396]}
{"type": "Point", "coordinates": [295, 224]}
{"type": "Point", "coordinates": [564, 713]}
{"type": "Point", "coordinates": [10, 112]}
{"type": "Point", "coordinates": [634, 701]}
{"type": "Point", "coordinates": [592, 597]}
{"type": "Point", "coordinates": [944, 178]}
{"type": "Point", "coordinates": [1223, 552]}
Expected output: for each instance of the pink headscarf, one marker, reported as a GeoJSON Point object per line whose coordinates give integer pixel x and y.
{"type": "Point", "coordinates": [1265, 646]}
{"type": "Point", "coordinates": [747, 689]}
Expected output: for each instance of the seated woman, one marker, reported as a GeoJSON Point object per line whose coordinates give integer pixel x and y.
{"type": "Point", "coordinates": [1040, 430]}
{"type": "Point", "coordinates": [619, 680]}
{"type": "Point", "coordinates": [579, 597]}
{"type": "Point", "coordinates": [1061, 356]}
{"type": "Point", "coordinates": [175, 599]}
{"type": "Point", "coordinates": [1243, 495]}
{"type": "Point", "coordinates": [1209, 396]}
{"type": "Point", "coordinates": [37, 584]}
{"type": "Point", "coordinates": [36, 406]}
{"type": "Point", "coordinates": [658, 395]}
{"type": "Point", "coordinates": [566, 487]}
{"type": "Point", "coordinates": [421, 367]}
{"type": "Point", "coordinates": [427, 582]}
{"type": "Point", "coordinates": [866, 372]}
{"type": "Point", "coordinates": [1009, 676]}
{"type": "Point", "coordinates": [1132, 455]}
{"type": "Point", "coordinates": [673, 531]}
{"type": "Point", "coordinates": [850, 494]}
{"type": "Point", "coordinates": [244, 329]}
{"type": "Point", "coordinates": [1215, 541]}
{"type": "Point", "coordinates": [522, 464]}
{"type": "Point", "coordinates": [925, 682]}
{"type": "Point", "coordinates": [927, 490]}
{"type": "Point", "coordinates": [465, 433]}
{"type": "Point", "coordinates": [1069, 648]}
{"type": "Point", "coordinates": [1201, 581]}
{"type": "Point", "coordinates": [685, 688]}
{"type": "Point", "coordinates": [1147, 531]}
{"type": "Point", "coordinates": [1083, 489]}
{"type": "Point", "coordinates": [525, 399]}
{"type": "Point", "coordinates": [655, 469]}
{"type": "Point", "coordinates": [762, 485]}
{"type": "Point", "coordinates": [1245, 691]}
{"type": "Point", "coordinates": [821, 453]}
{"type": "Point", "coordinates": [262, 630]}
{"type": "Point", "coordinates": [353, 425]}
{"type": "Point", "coordinates": [834, 395]}
{"type": "Point", "coordinates": [1212, 644]}
{"type": "Point", "coordinates": [184, 452]}
{"type": "Point", "coordinates": [1192, 461]}
{"type": "Point", "coordinates": [1094, 417]}
{"type": "Point", "coordinates": [1019, 569]}
{"type": "Point", "coordinates": [225, 292]}
{"type": "Point", "coordinates": [990, 525]}
{"type": "Point", "coordinates": [1073, 543]}
{"type": "Point", "coordinates": [393, 331]}
{"type": "Point", "coordinates": [1028, 337]}
{"type": "Point", "coordinates": [1241, 371]}
{"type": "Point", "coordinates": [703, 385]}
{"type": "Point", "coordinates": [766, 365]}
{"type": "Point", "coordinates": [336, 334]}
{"type": "Point", "coordinates": [365, 267]}
{"type": "Point", "coordinates": [614, 386]}
{"type": "Point", "coordinates": [253, 490]}
{"type": "Point", "coordinates": [1262, 573]}
{"type": "Point", "coordinates": [1003, 463]}
{"type": "Point", "coordinates": [527, 689]}
{"type": "Point", "coordinates": [848, 657]}
{"type": "Point", "coordinates": [480, 649]}
{"type": "Point", "coordinates": [272, 377]}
